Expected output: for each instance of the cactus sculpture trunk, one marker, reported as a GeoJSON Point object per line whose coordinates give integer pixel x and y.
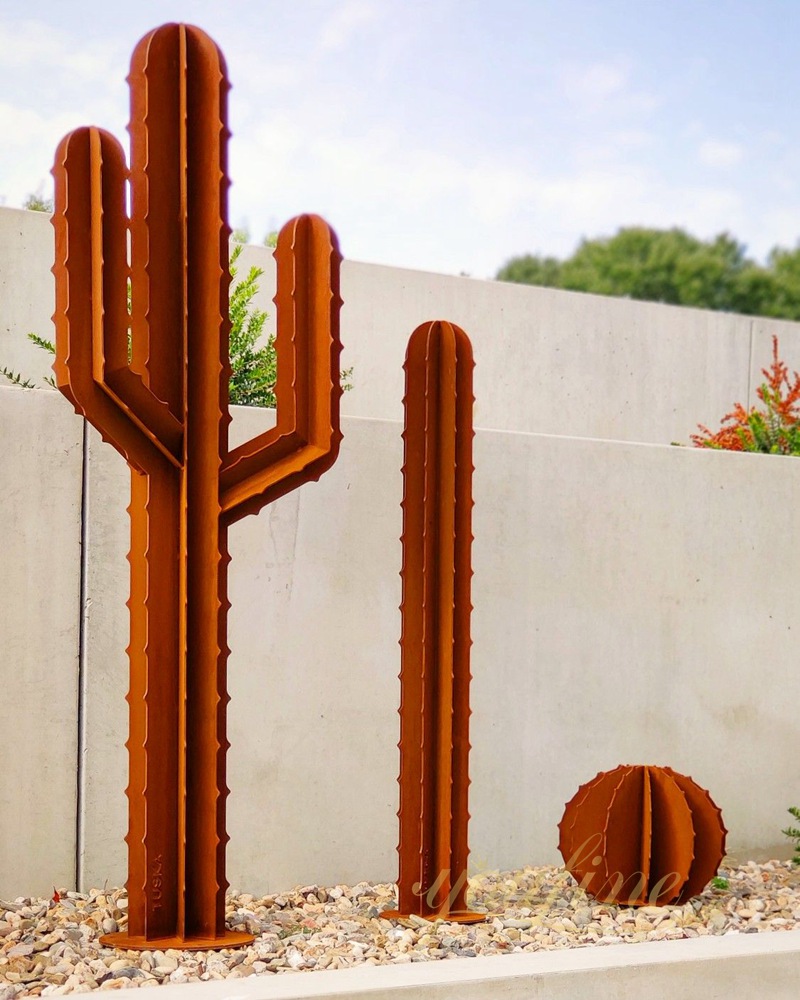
{"type": "Point", "coordinates": [435, 643]}
{"type": "Point", "coordinates": [159, 395]}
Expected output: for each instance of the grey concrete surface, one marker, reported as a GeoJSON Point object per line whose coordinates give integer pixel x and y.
{"type": "Point", "coordinates": [548, 361]}
{"type": "Point", "coordinates": [732, 967]}
{"type": "Point", "coordinates": [40, 609]}
{"type": "Point", "coordinates": [633, 604]}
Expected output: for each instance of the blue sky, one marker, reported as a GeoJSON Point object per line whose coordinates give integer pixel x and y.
{"type": "Point", "coordinates": [449, 135]}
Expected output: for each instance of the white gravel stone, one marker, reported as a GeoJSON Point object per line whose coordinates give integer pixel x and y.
{"type": "Point", "coordinates": [51, 948]}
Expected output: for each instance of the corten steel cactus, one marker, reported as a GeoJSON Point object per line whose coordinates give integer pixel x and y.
{"type": "Point", "coordinates": [435, 644]}
{"type": "Point", "coordinates": [641, 835]}
{"type": "Point", "coordinates": [165, 409]}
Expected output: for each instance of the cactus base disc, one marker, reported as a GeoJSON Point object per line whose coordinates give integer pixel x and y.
{"type": "Point", "coordinates": [459, 917]}
{"type": "Point", "coordinates": [123, 941]}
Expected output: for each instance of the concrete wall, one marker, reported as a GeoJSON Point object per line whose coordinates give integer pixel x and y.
{"type": "Point", "coordinates": [548, 362]}
{"type": "Point", "coordinates": [27, 294]}
{"type": "Point", "coordinates": [40, 610]}
{"type": "Point", "coordinates": [553, 362]}
{"type": "Point", "coordinates": [633, 603]}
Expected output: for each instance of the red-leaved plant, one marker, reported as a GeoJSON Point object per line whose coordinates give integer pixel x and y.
{"type": "Point", "coordinates": [773, 430]}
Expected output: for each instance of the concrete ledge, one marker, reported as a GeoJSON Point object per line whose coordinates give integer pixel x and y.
{"type": "Point", "coordinates": [731, 967]}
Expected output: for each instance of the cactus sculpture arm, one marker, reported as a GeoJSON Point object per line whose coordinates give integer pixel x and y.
{"type": "Point", "coordinates": [166, 411]}
{"type": "Point", "coordinates": [435, 643]}
{"type": "Point", "coordinates": [305, 441]}
{"type": "Point", "coordinates": [91, 276]}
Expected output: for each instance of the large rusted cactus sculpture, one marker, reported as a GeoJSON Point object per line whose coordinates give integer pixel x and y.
{"type": "Point", "coordinates": [642, 835]}
{"type": "Point", "coordinates": [163, 403]}
{"type": "Point", "coordinates": [435, 644]}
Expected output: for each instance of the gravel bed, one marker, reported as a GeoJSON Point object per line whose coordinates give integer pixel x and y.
{"type": "Point", "coordinates": [50, 947]}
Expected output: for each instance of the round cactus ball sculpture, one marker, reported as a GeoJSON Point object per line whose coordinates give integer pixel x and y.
{"type": "Point", "coordinates": [642, 835]}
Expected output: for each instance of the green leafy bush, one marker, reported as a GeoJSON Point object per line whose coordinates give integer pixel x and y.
{"type": "Point", "coordinates": [254, 368]}
{"type": "Point", "coordinates": [16, 379]}
{"type": "Point", "coordinates": [774, 428]}
{"type": "Point", "coordinates": [793, 833]}
{"type": "Point", "coordinates": [38, 203]}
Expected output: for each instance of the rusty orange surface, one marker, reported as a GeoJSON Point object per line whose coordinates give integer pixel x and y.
{"type": "Point", "coordinates": [160, 397]}
{"type": "Point", "coordinates": [435, 644]}
{"type": "Point", "coordinates": [642, 835]}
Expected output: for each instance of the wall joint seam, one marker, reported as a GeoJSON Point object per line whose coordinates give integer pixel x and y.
{"type": "Point", "coordinates": [80, 798]}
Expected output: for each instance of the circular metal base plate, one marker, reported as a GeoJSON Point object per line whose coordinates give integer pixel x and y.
{"type": "Point", "coordinates": [131, 942]}
{"type": "Point", "coordinates": [462, 917]}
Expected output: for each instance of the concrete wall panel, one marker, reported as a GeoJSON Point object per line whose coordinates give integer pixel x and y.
{"type": "Point", "coordinates": [761, 353]}
{"type": "Point", "coordinates": [628, 609]}
{"type": "Point", "coordinates": [314, 632]}
{"type": "Point", "coordinates": [104, 815]}
{"type": "Point", "coordinates": [27, 291]}
{"type": "Point", "coordinates": [40, 610]}
{"type": "Point", "coordinates": [632, 604]}
{"type": "Point", "coordinates": [314, 613]}
{"type": "Point", "coordinates": [548, 361]}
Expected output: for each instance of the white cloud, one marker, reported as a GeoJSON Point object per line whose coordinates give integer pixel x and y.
{"type": "Point", "coordinates": [312, 136]}
{"type": "Point", "coordinates": [35, 46]}
{"type": "Point", "coordinates": [604, 86]}
{"type": "Point", "coordinates": [775, 227]}
{"type": "Point", "coordinates": [29, 143]}
{"type": "Point", "coordinates": [345, 22]}
{"type": "Point", "coordinates": [419, 206]}
{"type": "Point", "coordinates": [50, 83]}
{"type": "Point", "coordinates": [596, 83]}
{"type": "Point", "coordinates": [716, 153]}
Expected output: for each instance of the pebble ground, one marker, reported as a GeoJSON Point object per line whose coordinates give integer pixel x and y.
{"type": "Point", "coordinates": [50, 947]}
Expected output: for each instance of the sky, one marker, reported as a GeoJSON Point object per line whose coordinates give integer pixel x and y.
{"type": "Point", "coordinates": [451, 135]}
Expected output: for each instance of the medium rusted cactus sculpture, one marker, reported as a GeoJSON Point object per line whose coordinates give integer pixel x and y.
{"type": "Point", "coordinates": [163, 404]}
{"type": "Point", "coordinates": [642, 835]}
{"type": "Point", "coordinates": [435, 644]}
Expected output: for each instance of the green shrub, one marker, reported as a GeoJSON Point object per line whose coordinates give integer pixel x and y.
{"type": "Point", "coordinates": [793, 832]}
{"type": "Point", "coordinates": [773, 429]}
{"type": "Point", "coordinates": [254, 369]}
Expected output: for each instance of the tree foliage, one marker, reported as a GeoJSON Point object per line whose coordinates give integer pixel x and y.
{"type": "Point", "coordinates": [254, 368]}
{"type": "Point", "coordinates": [672, 266]}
